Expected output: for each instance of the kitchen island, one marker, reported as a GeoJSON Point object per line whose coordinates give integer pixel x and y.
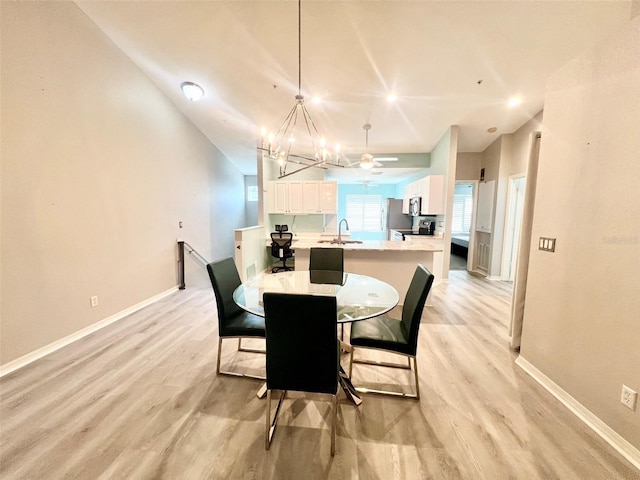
{"type": "Point", "coordinates": [391, 262]}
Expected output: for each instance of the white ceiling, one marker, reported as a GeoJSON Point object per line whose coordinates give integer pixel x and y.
{"type": "Point", "coordinates": [432, 54]}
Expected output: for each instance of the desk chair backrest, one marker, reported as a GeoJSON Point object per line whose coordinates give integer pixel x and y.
{"type": "Point", "coordinates": [224, 280]}
{"type": "Point", "coordinates": [414, 304]}
{"type": "Point", "coordinates": [281, 244]}
{"type": "Point", "coordinates": [302, 342]}
{"type": "Point", "coordinates": [326, 259]}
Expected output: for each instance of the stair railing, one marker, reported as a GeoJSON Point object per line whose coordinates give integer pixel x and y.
{"type": "Point", "coordinates": [193, 253]}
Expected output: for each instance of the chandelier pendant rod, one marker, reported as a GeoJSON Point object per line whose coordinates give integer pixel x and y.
{"type": "Point", "coordinates": [299, 51]}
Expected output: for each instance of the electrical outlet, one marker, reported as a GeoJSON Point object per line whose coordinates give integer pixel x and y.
{"type": "Point", "coordinates": [94, 301]}
{"type": "Point", "coordinates": [628, 397]}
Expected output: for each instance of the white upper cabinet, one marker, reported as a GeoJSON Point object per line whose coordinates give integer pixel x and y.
{"type": "Point", "coordinates": [328, 197]}
{"type": "Point", "coordinates": [431, 190]}
{"type": "Point", "coordinates": [285, 197]}
{"type": "Point", "coordinates": [432, 193]}
{"type": "Point", "coordinates": [302, 197]}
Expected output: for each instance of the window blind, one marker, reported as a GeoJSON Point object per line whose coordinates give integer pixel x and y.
{"type": "Point", "coordinates": [365, 213]}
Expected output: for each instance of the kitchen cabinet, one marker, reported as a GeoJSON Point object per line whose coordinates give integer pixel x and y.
{"type": "Point", "coordinates": [484, 212]}
{"type": "Point", "coordinates": [285, 197]}
{"type": "Point", "coordinates": [320, 197]}
{"type": "Point", "coordinates": [431, 190]}
{"type": "Point", "coordinates": [432, 193]}
{"type": "Point", "coordinates": [302, 197]}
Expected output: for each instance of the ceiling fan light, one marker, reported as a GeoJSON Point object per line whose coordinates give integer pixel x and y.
{"type": "Point", "coordinates": [366, 161]}
{"type": "Point", "coordinates": [192, 91]}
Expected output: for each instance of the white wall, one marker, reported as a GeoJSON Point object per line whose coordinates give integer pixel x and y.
{"type": "Point", "coordinates": [582, 310]}
{"type": "Point", "coordinates": [98, 168]}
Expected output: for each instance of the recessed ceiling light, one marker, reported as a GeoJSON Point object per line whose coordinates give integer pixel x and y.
{"type": "Point", "coordinates": [316, 100]}
{"type": "Point", "coordinates": [492, 129]}
{"type": "Point", "coordinates": [392, 97]}
{"type": "Point", "coordinates": [514, 101]}
{"type": "Point", "coordinates": [192, 91]}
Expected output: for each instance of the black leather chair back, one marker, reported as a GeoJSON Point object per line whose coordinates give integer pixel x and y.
{"type": "Point", "coordinates": [302, 344]}
{"type": "Point", "coordinates": [326, 259]}
{"type": "Point", "coordinates": [414, 304]}
{"type": "Point", "coordinates": [224, 280]}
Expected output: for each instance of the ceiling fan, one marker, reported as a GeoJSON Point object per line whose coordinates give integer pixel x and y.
{"type": "Point", "coordinates": [366, 160]}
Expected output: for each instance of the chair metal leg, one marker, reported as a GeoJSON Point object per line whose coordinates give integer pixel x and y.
{"type": "Point", "coordinates": [271, 424]}
{"type": "Point", "coordinates": [233, 374]}
{"type": "Point", "coordinates": [334, 415]}
{"type": "Point", "coordinates": [415, 367]}
{"type": "Point", "coordinates": [249, 349]}
{"type": "Point", "coordinates": [415, 396]}
{"type": "Point", "coordinates": [219, 355]}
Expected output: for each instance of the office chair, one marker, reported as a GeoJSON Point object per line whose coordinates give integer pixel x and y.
{"type": "Point", "coordinates": [233, 322]}
{"type": "Point", "coordinates": [281, 241]}
{"type": "Point", "coordinates": [395, 335]}
{"type": "Point", "coordinates": [302, 351]}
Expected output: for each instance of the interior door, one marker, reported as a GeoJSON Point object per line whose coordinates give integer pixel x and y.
{"type": "Point", "coordinates": [514, 222]}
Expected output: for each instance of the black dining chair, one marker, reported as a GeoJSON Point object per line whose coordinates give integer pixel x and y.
{"type": "Point", "coordinates": [327, 260]}
{"type": "Point", "coordinates": [233, 322]}
{"type": "Point", "coordinates": [395, 335]}
{"type": "Point", "coordinates": [302, 351]}
{"type": "Point", "coordinates": [331, 259]}
{"type": "Point", "coordinates": [281, 249]}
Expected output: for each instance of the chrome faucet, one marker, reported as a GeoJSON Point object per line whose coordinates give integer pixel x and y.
{"type": "Point", "coordinates": [340, 229]}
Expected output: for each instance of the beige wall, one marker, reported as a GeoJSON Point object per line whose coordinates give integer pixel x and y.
{"type": "Point", "coordinates": [98, 168]}
{"type": "Point", "coordinates": [468, 166]}
{"type": "Point", "coordinates": [582, 310]}
{"type": "Point", "coordinates": [520, 147]}
{"type": "Point", "coordinates": [506, 156]}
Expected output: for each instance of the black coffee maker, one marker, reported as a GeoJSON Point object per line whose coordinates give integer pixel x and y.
{"type": "Point", "coordinates": [427, 227]}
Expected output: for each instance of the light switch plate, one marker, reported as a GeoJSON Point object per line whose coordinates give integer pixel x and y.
{"type": "Point", "coordinates": [547, 244]}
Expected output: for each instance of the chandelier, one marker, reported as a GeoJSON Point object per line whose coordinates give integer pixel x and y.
{"type": "Point", "coordinates": [290, 151]}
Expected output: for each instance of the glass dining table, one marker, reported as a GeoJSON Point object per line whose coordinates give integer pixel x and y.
{"type": "Point", "coordinates": [358, 297]}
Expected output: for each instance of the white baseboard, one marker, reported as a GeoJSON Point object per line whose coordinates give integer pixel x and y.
{"type": "Point", "coordinates": [623, 447]}
{"type": "Point", "coordinates": [63, 342]}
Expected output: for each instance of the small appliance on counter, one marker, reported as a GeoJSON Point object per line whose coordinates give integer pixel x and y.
{"type": "Point", "coordinates": [427, 227]}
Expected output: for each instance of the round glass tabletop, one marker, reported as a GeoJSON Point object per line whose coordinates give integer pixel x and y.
{"type": "Point", "coordinates": [358, 296]}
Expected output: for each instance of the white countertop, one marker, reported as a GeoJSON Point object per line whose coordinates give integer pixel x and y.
{"type": "Point", "coordinates": [375, 245]}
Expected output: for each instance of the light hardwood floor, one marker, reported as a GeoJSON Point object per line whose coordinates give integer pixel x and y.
{"type": "Point", "coordinates": [140, 399]}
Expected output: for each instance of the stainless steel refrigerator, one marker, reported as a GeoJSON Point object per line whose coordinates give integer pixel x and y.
{"type": "Point", "coordinates": [396, 220]}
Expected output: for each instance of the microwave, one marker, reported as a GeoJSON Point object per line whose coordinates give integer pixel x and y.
{"type": "Point", "coordinates": [414, 206]}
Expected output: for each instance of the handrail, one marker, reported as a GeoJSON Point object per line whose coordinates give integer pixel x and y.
{"type": "Point", "coordinates": [191, 251]}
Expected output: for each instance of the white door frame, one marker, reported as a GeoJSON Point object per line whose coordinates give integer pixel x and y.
{"type": "Point", "coordinates": [512, 215]}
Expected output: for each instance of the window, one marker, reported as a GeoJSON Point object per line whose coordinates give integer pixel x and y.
{"type": "Point", "coordinates": [252, 193]}
{"type": "Point", "coordinates": [462, 211]}
{"type": "Point", "coordinates": [365, 213]}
